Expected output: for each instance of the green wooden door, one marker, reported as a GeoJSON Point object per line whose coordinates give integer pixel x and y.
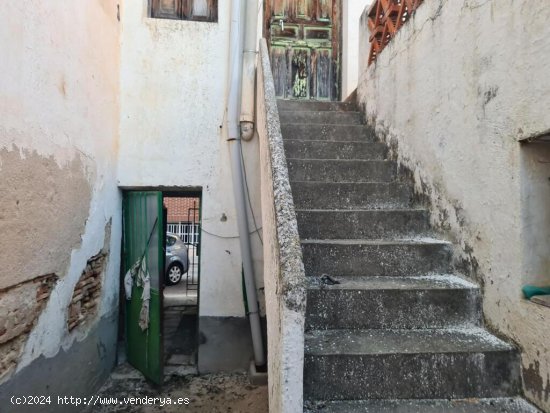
{"type": "Point", "coordinates": [144, 236]}
{"type": "Point", "coordinates": [303, 38]}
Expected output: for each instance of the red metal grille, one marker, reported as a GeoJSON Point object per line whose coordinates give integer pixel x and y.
{"type": "Point", "coordinates": [385, 19]}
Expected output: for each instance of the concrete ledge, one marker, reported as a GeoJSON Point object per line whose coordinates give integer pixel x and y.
{"type": "Point", "coordinates": [284, 276]}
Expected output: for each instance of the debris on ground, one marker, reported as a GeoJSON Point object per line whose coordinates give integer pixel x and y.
{"type": "Point", "coordinates": [213, 393]}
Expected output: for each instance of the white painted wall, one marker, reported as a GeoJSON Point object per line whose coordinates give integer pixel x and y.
{"type": "Point", "coordinates": [351, 14]}
{"type": "Point", "coordinates": [59, 100]}
{"type": "Point", "coordinates": [456, 89]}
{"type": "Point", "coordinates": [174, 80]}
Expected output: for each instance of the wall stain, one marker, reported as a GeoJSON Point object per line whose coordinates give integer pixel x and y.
{"type": "Point", "coordinates": [534, 382]}
{"type": "Point", "coordinates": [488, 95]}
{"type": "Point", "coordinates": [63, 87]}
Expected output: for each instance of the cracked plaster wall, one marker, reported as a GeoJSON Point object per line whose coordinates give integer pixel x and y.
{"type": "Point", "coordinates": [58, 145]}
{"type": "Point", "coordinates": [451, 94]}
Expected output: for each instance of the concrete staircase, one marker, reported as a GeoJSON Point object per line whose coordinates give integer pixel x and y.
{"type": "Point", "coordinates": [389, 327]}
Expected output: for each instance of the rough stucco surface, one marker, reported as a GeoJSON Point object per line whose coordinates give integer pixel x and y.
{"type": "Point", "coordinates": [34, 190]}
{"type": "Point", "coordinates": [58, 144]}
{"type": "Point", "coordinates": [174, 82]}
{"type": "Point", "coordinates": [284, 274]}
{"type": "Point", "coordinates": [453, 92]}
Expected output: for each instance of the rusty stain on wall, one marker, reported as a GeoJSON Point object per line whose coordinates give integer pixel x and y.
{"type": "Point", "coordinates": [40, 200]}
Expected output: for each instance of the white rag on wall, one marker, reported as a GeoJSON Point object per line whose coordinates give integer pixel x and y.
{"type": "Point", "coordinates": [139, 275]}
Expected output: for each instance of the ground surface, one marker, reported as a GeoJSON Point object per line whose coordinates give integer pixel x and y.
{"type": "Point", "coordinates": [208, 394]}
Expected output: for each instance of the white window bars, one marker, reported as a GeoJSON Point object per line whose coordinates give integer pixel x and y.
{"type": "Point", "coordinates": [187, 231]}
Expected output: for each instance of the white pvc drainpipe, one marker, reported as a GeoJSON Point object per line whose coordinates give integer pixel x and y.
{"type": "Point", "coordinates": [249, 70]}
{"type": "Point", "coordinates": [234, 138]}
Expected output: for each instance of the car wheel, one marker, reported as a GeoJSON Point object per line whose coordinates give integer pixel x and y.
{"type": "Point", "coordinates": [174, 273]}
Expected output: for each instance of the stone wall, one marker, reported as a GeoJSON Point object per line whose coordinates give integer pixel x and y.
{"type": "Point", "coordinates": [453, 94]}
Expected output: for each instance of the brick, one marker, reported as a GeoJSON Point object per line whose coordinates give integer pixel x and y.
{"type": "Point", "coordinates": [178, 209]}
{"type": "Point", "coordinates": [87, 292]}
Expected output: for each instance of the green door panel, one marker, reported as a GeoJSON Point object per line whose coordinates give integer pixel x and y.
{"type": "Point", "coordinates": [144, 234]}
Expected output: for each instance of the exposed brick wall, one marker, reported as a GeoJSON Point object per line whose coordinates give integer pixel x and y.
{"type": "Point", "coordinates": [87, 292]}
{"type": "Point", "coordinates": [178, 209]}
{"type": "Point", "coordinates": [20, 307]}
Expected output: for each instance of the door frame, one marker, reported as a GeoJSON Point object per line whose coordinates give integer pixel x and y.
{"type": "Point", "coordinates": [191, 192]}
{"type": "Point", "coordinates": [337, 36]}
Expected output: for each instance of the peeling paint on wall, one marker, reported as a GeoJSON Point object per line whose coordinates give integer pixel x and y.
{"type": "Point", "coordinates": [58, 145]}
{"type": "Point", "coordinates": [40, 201]}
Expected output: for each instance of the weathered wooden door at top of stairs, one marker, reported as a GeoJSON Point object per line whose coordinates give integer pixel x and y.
{"type": "Point", "coordinates": [303, 37]}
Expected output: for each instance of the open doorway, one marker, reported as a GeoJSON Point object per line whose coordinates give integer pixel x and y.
{"type": "Point", "coordinates": [181, 281]}
{"type": "Point", "coordinates": [160, 283]}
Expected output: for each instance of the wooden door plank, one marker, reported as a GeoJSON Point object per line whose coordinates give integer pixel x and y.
{"type": "Point", "coordinates": [279, 67]}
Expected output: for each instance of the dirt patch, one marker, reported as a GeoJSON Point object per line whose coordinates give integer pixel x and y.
{"type": "Point", "coordinates": [215, 393]}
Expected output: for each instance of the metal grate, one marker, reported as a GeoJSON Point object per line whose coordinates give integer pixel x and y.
{"type": "Point", "coordinates": [187, 231]}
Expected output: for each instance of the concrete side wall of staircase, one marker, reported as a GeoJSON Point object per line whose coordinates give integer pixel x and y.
{"type": "Point", "coordinates": [455, 91]}
{"type": "Point", "coordinates": [284, 275]}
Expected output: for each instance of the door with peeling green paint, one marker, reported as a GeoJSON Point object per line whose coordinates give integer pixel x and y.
{"type": "Point", "coordinates": [143, 222]}
{"type": "Point", "coordinates": [304, 43]}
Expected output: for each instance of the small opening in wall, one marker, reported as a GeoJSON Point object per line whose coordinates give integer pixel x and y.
{"type": "Point", "coordinates": [535, 215]}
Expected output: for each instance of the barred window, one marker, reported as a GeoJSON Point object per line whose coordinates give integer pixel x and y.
{"type": "Point", "coordinates": [196, 10]}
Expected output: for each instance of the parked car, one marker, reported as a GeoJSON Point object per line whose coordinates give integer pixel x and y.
{"type": "Point", "coordinates": [177, 259]}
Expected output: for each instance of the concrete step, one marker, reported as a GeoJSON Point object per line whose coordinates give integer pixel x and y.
{"type": "Point", "coordinates": [498, 405]}
{"type": "Point", "coordinates": [362, 224]}
{"type": "Point", "coordinates": [388, 258]}
{"type": "Point", "coordinates": [340, 133]}
{"type": "Point", "coordinates": [321, 117]}
{"type": "Point", "coordinates": [315, 105]}
{"type": "Point", "coordinates": [300, 149]}
{"type": "Point", "coordinates": [336, 195]}
{"type": "Point", "coordinates": [408, 364]}
{"type": "Point", "coordinates": [339, 170]}
{"type": "Point", "coordinates": [442, 301]}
